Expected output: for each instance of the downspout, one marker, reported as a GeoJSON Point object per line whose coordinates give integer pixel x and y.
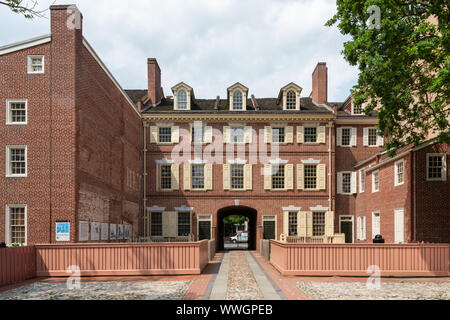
{"type": "Point", "coordinates": [144, 188]}
{"type": "Point", "coordinates": [413, 197]}
{"type": "Point", "coordinates": [330, 169]}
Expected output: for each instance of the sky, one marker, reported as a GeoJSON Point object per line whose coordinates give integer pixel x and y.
{"type": "Point", "coordinates": [208, 44]}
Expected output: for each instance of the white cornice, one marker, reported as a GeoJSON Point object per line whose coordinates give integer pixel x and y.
{"type": "Point", "coordinates": [230, 117]}
{"type": "Point", "coordinates": [25, 44]}
{"type": "Point", "coordinates": [184, 208]}
{"type": "Point", "coordinates": [198, 161]}
{"type": "Point", "coordinates": [237, 161]}
{"type": "Point", "coordinates": [279, 161]}
{"type": "Point", "coordinates": [165, 161]}
{"type": "Point", "coordinates": [156, 208]}
{"type": "Point", "coordinates": [319, 208]}
{"type": "Point", "coordinates": [311, 161]}
{"type": "Point", "coordinates": [292, 208]}
{"type": "Point", "coordinates": [356, 120]}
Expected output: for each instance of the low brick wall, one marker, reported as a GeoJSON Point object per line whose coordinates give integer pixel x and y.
{"type": "Point", "coordinates": [17, 264]}
{"type": "Point", "coordinates": [122, 259]}
{"type": "Point", "coordinates": [354, 260]}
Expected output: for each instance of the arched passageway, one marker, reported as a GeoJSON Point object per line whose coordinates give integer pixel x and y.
{"type": "Point", "coordinates": [247, 212]}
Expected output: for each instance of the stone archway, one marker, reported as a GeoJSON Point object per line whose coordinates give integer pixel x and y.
{"type": "Point", "coordinates": [247, 212]}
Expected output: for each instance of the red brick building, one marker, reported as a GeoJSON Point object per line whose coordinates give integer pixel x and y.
{"type": "Point", "coordinates": [79, 149]}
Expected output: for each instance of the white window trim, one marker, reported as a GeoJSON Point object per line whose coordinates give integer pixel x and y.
{"type": "Point", "coordinates": [7, 222]}
{"type": "Point", "coordinates": [376, 145]}
{"type": "Point", "coordinates": [8, 112]}
{"type": "Point", "coordinates": [353, 110]}
{"type": "Point", "coordinates": [362, 186]}
{"type": "Point", "coordinates": [396, 183]}
{"type": "Point", "coordinates": [373, 229]}
{"type": "Point", "coordinates": [373, 181]}
{"type": "Point", "coordinates": [29, 59]}
{"type": "Point", "coordinates": [339, 141]}
{"type": "Point", "coordinates": [444, 166]}
{"type": "Point", "coordinates": [362, 228]}
{"type": "Point", "coordinates": [351, 182]}
{"type": "Point", "coordinates": [297, 99]}
{"type": "Point", "coordinates": [8, 164]}
{"type": "Point", "coordinates": [244, 100]}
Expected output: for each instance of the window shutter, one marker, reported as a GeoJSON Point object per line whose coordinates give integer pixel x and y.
{"type": "Point", "coordinates": [208, 134]}
{"type": "Point", "coordinates": [321, 177]}
{"type": "Point", "coordinates": [302, 223]}
{"type": "Point", "coordinates": [309, 224]}
{"type": "Point", "coordinates": [339, 137]}
{"type": "Point", "coordinates": [300, 176]}
{"type": "Point", "coordinates": [187, 176]}
{"type": "Point", "coordinates": [170, 224]}
{"type": "Point", "coordinates": [153, 134]}
{"type": "Point", "coordinates": [267, 177]}
{"type": "Point", "coordinates": [286, 223]}
{"type": "Point", "coordinates": [175, 134]}
{"type": "Point", "coordinates": [248, 177]}
{"type": "Point", "coordinates": [380, 141]}
{"type": "Point", "coordinates": [226, 135]}
{"type": "Point", "coordinates": [358, 228]}
{"type": "Point", "coordinates": [366, 137]}
{"type": "Point", "coordinates": [289, 135]}
{"type": "Point", "coordinates": [354, 182]}
{"type": "Point", "coordinates": [444, 167]}
{"type": "Point", "coordinates": [300, 135]}
{"type": "Point", "coordinates": [226, 177]}
{"type": "Point", "coordinates": [339, 183]}
{"type": "Point", "coordinates": [248, 135]}
{"type": "Point", "coordinates": [158, 178]}
{"type": "Point", "coordinates": [364, 229]}
{"type": "Point", "coordinates": [289, 174]}
{"type": "Point", "coordinates": [321, 138]}
{"type": "Point", "coordinates": [354, 137]}
{"type": "Point", "coordinates": [175, 177]}
{"type": "Point", "coordinates": [329, 224]}
{"type": "Point", "coordinates": [149, 224]}
{"type": "Point", "coordinates": [268, 135]}
{"type": "Point", "coordinates": [209, 176]}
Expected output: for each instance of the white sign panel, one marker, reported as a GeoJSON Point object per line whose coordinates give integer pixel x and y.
{"type": "Point", "coordinates": [120, 232]}
{"type": "Point", "coordinates": [95, 231]}
{"type": "Point", "coordinates": [105, 232]}
{"type": "Point", "coordinates": [127, 232]}
{"type": "Point", "coordinates": [63, 231]}
{"type": "Point", "coordinates": [113, 232]}
{"type": "Point", "coordinates": [83, 231]}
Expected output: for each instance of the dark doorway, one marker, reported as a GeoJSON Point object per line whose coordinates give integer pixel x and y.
{"type": "Point", "coordinates": [247, 212]}
{"type": "Point", "coordinates": [347, 228]}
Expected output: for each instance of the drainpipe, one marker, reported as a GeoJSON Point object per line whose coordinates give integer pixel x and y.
{"type": "Point", "coordinates": [330, 169]}
{"type": "Point", "coordinates": [144, 188]}
{"type": "Point", "coordinates": [412, 161]}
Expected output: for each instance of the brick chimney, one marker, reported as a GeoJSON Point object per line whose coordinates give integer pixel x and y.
{"type": "Point", "coordinates": [320, 83]}
{"type": "Point", "coordinates": [155, 92]}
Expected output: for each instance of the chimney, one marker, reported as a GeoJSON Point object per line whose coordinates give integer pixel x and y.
{"type": "Point", "coordinates": [155, 92]}
{"type": "Point", "coordinates": [65, 19]}
{"type": "Point", "coordinates": [320, 83]}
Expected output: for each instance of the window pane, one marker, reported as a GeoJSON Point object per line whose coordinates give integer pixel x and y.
{"type": "Point", "coordinates": [237, 135]}
{"type": "Point", "coordinates": [318, 224]}
{"type": "Point", "coordinates": [278, 135]}
{"type": "Point", "coordinates": [184, 224]}
{"type": "Point", "coordinates": [291, 100]}
{"type": "Point", "coordinates": [182, 99]}
{"type": "Point", "coordinates": [237, 100]}
{"type": "Point", "coordinates": [156, 224]}
{"type": "Point", "coordinates": [237, 177]}
{"type": "Point", "coordinates": [293, 224]}
{"type": "Point", "coordinates": [346, 137]}
{"type": "Point", "coordinates": [198, 134]}
{"type": "Point", "coordinates": [373, 139]}
{"type": "Point", "coordinates": [18, 112]}
{"type": "Point", "coordinates": [310, 177]}
{"type": "Point", "coordinates": [17, 161]}
{"type": "Point", "coordinates": [347, 183]}
{"type": "Point", "coordinates": [165, 135]}
{"type": "Point", "coordinates": [166, 177]}
{"type": "Point", "coordinates": [310, 135]}
{"type": "Point", "coordinates": [198, 177]}
{"type": "Point", "coordinates": [435, 165]}
{"type": "Point", "coordinates": [277, 177]}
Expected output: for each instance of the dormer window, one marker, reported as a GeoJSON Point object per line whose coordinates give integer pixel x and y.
{"type": "Point", "coordinates": [237, 96]}
{"type": "Point", "coordinates": [183, 97]}
{"type": "Point", "coordinates": [237, 100]}
{"type": "Point", "coordinates": [182, 100]}
{"type": "Point", "coordinates": [357, 110]}
{"type": "Point", "coordinates": [289, 97]}
{"type": "Point", "coordinates": [291, 100]}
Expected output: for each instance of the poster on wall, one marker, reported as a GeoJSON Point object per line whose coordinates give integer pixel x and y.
{"type": "Point", "coordinates": [127, 232]}
{"type": "Point", "coordinates": [62, 231]}
{"type": "Point", "coordinates": [112, 232]}
{"type": "Point", "coordinates": [83, 231]}
{"type": "Point", "coordinates": [105, 232]}
{"type": "Point", "coordinates": [95, 231]}
{"type": "Point", "coordinates": [120, 232]}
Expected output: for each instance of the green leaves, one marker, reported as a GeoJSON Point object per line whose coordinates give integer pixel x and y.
{"type": "Point", "coordinates": [404, 66]}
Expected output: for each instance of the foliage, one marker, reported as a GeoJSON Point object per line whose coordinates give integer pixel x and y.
{"type": "Point", "coordinates": [26, 8]}
{"type": "Point", "coordinates": [404, 66]}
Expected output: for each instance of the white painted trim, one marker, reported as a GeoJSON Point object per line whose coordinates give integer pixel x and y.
{"type": "Point", "coordinates": [319, 208]}
{"type": "Point", "coordinates": [311, 161]}
{"type": "Point", "coordinates": [156, 209]}
{"type": "Point", "coordinates": [109, 74]}
{"type": "Point", "coordinates": [8, 165]}
{"type": "Point", "coordinates": [29, 66]}
{"type": "Point", "coordinates": [7, 222]}
{"type": "Point", "coordinates": [443, 169]}
{"type": "Point", "coordinates": [374, 190]}
{"type": "Point", "coordinates": [25, 44]}
{"type": "Point", "coordinates": [8, 115]}
{"type": "Point", "coordinates": [279, 161]}
{"type": "Point", "coordinates": [292, 208]}
{"type": "Point", "coordinates": [373, 218]}
{"type": "Point", "coordinates": [396, 183]}
{"type": "Point", "coordinates": [184, 209]}
{"type": "Point", "coordinates": [164, 124]}
{"type": "Point", "coordinates": [198, 161]}
{"type": "Point", "coordinates": [353, 225]}
{"type": "Point", "coordinates": [237, 161]}
{"type": "Point", "coordinates": [165, 161]}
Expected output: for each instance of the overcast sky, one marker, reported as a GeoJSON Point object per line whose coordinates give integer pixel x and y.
{"type": "Point", "coordinates": [208, 44]}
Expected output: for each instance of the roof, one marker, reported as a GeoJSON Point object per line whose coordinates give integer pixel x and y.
{"type": "Point", "coordinates": [25, 44]}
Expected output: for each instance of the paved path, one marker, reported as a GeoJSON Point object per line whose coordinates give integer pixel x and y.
{"type": "Point", "coordinates": [240, 277]}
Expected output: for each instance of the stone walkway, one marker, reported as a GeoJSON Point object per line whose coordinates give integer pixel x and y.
{"type": "Point", "coordinates": [240, 277]}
